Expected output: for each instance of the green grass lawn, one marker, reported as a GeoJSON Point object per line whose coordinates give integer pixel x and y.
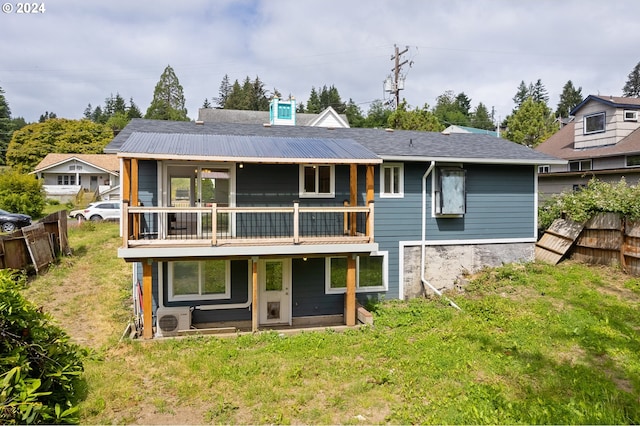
{"type": "Point", "coordinates": [533, 344]}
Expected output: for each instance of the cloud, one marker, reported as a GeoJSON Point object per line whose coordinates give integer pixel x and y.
{"type": "Point", "coordinates": [81, 52]}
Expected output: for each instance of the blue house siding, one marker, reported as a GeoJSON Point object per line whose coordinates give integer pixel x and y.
{"type": "Point", "coordinates": [308, 293]}
{"type": "Point", "coordinates": [500, 204]}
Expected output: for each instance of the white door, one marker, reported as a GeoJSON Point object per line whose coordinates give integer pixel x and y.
{"type": "Point", "coordinates": [274, 277]}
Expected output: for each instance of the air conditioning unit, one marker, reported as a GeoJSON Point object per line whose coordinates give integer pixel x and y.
{"type": "Point", "coordinates": [170, 321]}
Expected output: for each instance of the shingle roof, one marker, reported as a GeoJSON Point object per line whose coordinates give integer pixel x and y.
{"type": "Point", "coordinates": [104, 161]}
{"type": "Point", "coordinates": [561, 145]}
{"type": "Point", "coordinates": [614, 101]}
{"type": "Point", "coordinates": [389, 145]}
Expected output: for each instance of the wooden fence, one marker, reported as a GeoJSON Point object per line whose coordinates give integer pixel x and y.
{"type": "Point", "coordinates": [36, 245]}
{"type": "Point", "coordinates": [606, 239]}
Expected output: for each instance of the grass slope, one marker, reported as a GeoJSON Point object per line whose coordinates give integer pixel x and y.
{"type": "Point", "coordinates": [533, 344]}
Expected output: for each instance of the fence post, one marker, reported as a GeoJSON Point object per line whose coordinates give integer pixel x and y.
{"type": "Point", "coordinates": [214, 224]}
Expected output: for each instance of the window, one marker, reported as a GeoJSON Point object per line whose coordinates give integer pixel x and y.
{"type": "Point", "coordinates": [594, 123]}
{"type": "Point", "coordinates": [391, 181]}
{"type": "Point", "coordinates": [543, 169]}
{"type": "Point", "coordinates": [284, 111]}
{"type": "Point", "coordinates": [633, 160]}
{"type": "Point", "coordinates": [630, 115]}
{"type": "Point", "coordinates": [199, 280]}
{"type": "Point", "coordinates": [317, 181]}
{"type": "Point", "coordinates": [66, 179]}
{"type": "Point", "coordinates": [579, 166]}
{"type": "Point", "coordinates": [371, 273]}
{"type": "Point", "coordinates": [450, 195]}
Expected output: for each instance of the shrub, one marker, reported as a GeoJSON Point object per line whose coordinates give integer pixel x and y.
{"type": "Point", "coordinates": [20, 193]}
{"type": "Point", "coordinates": [596, 197]}
{"type": "Point", "coordinates": [41, 368]}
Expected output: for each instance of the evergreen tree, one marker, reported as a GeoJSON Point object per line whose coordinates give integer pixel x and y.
{"type": "Point", "coordinates": [569, 99]}
{"type": "Point", "coordinates": [47, 116]}
{"type": "Point", "coordinates": [538, 92]}
{"type": "Point", "coordinates": [168, 99]}
{"type": "Point", "coordinates": [206, 103]}
{"type": "Point", "coordinates": [97, 116]}
{"type": "Point", "coordinates": [632, 86]}
{"type": "Point", "coordinates": [531, 124]}
{"type": "Point", "coordinates": [88, 112]}
{"type": "Point", "coordinates": [235, 97]}
{"type": "Point", "coordinates": [223, 91]}
{"type": "Point", "coordinates": [463, 103]}
{"type": "Point", "coordinates": [6, 126]}
{"type": "Point", "coordinates": [313, 104]}
{"type": "Point", "coordinates": [133, 111]}
{"type": "Point", "coordinates": [481, 119]}
{"type": "Point", "coordinates": [521, 95]}
{"type": "Point", "coordinates": [354, 114]}
{"type": "Point", "coordinates": [300, 108]}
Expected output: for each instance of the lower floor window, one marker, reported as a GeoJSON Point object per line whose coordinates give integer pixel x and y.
{"type": "Point", "coordinates": [371, 273]}
{"type": "Point", "coordinates": [66, 179]}
{"type": "Point", "coordinates": [199, 280]}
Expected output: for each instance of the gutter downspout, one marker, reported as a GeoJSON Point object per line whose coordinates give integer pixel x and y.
{"type": "Point", "coordinates": [424, 237]}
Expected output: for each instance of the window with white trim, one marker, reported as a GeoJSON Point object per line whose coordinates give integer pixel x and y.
{"type": "Point", "coordinates": [594, 123]}
{"type": "Point", "coordinates": [543, 169]}
{"type": "Point", "coordinates": [633, 160]}
{"type": "Point", "coordinates": [579, 166]}
{"type": "Point", "coordinates": [392, 180]}
{"type": "Point", "coordinates": [199, 280]}
{"type": "Point", "coordinates": [630, 115]}
{"type": "Point", "coordinates": [371, 273]}
{"type": "Point", "coordinates": [67, 179]}
{"type": "Point", "coordinates": [317, 181]}
{"type": "Point", "coordinates": [450, 192]}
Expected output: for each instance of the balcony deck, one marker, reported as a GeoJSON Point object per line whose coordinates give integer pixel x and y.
{"type": "Point", "coordinates": [245, 230]}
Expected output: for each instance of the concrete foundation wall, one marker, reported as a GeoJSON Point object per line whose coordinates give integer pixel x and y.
{"type": "Point", "coordinates": [444, 264]}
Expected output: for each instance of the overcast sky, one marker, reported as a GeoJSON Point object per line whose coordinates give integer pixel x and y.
{"type": "Point", "coordinates": [80, 51]}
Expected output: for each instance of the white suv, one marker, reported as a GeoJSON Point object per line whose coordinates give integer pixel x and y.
{"type": "Point", "coordinates": [100, 210]}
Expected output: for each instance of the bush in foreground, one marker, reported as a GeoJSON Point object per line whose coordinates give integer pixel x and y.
{"type": "Point", "coordinates": [40, 366]}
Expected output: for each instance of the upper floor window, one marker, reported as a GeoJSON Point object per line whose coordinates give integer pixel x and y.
{"type": "Point", "coordinates": [579, 166]}
{"type": "Point", "coordinates": [317, 181]}
{"type": "Point", "coordinates": [594, 123]}
{"type": "Point", "coordinates": [392, 180]}
{"type": "Point", "coordinates": [543, 169]}
{"type": "Point", "coordinates": [284, 111]}
{"type": "Point", "coordinates": [630, 115]}
{"type": "Point", "coordinates": [450, 191]}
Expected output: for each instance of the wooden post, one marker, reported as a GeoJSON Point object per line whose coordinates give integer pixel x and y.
{"type": "Point", "coordinates": [147, 297]}
{"type": "Point", "coordinates": [369, 202]}
{"type": "Point", "coordinates": [125, 186]}
{"type": "Point", "coordinates": [350, 295]}
{"type": "Point", "coordinates": [125, 223]}
{"type": "Point", "coordinates": [353, 192]}
{"type": "Point", "coordinates": [134, 198]}
{"type": "Point", "coordinates": [346, 219]}
{"type": "Point", "coordinates": [254, 297]}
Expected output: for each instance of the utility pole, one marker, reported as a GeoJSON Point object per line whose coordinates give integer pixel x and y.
{"type": "Point", "coordinates": [398, 82]}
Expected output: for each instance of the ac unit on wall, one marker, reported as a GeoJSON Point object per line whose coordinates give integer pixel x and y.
{"type": "Point", "coordinates": [172, 320]}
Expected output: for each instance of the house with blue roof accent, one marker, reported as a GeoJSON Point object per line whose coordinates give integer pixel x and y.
{"type": "Point", "coordinates": [236, 226]}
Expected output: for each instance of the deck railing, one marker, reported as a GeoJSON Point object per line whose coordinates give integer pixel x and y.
{"type": "Point", "coordinates": [246, 225]}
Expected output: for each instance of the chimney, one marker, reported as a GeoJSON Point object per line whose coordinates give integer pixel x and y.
{"type": "Point", "coordinates": [282, 112]}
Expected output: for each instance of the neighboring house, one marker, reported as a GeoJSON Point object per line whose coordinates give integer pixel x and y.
{"type": "Point", "coordinates": [463, 129]}
{"type": "Point", "coordinates": [65, 176]}
{"type": "Point", "coordinates": [252, 226]}
{"type": "Point", "coordinates": [281, 113]}
{"type": "Point", "coordinates": [602, 141]}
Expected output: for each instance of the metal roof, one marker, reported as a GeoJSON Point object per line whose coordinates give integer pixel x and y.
{"type": "Point", "coordinates": [270, 149]}
{"type": "Point", "coordinates": [397, 145]}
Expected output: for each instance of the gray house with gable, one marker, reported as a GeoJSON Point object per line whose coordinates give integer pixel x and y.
{"type": "Point", "coordinates": [254, 226]}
